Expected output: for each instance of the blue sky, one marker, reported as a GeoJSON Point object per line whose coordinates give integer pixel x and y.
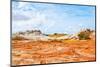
{"type": "Point", "coordinates": [52, 18]}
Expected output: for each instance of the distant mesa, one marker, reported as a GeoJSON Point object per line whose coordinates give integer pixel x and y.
{"type": "Point", "coordinates": [33, 32]}
{"type": "Point", "coordinates": [31, 35]}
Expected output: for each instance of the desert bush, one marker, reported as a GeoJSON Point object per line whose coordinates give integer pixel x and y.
{"type": "Point", "coordinates": [83, 35]}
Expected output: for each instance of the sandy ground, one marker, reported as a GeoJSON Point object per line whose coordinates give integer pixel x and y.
{"type": "Point", "coordinates": [25, 52]}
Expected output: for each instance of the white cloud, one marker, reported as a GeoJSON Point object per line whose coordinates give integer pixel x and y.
{"type": "Point", "coordinates": [46, 16]}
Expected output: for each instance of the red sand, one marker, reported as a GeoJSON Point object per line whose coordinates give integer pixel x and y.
{"type": "Point", "coordinates": [25, 52]}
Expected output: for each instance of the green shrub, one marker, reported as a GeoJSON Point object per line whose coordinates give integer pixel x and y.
{"type": "Point", "coordinates": [83, 35]}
